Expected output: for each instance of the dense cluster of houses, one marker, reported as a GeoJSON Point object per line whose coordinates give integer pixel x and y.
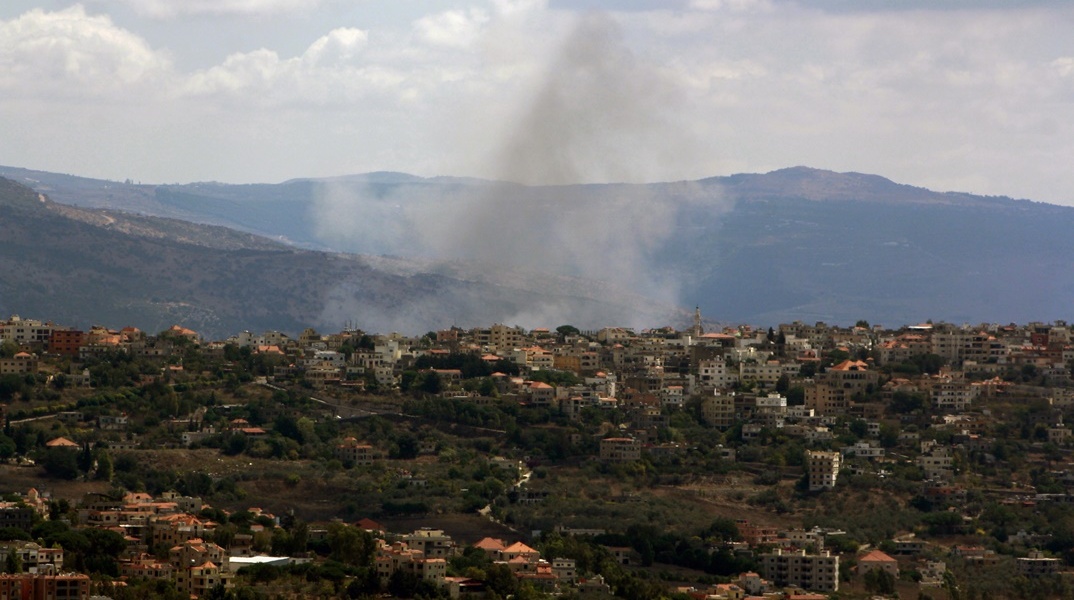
{"type": "Point", "coordinates": [741, 378]}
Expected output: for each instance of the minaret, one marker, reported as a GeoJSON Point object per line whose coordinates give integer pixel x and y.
{"type": "Point", "coordinates": [698, 330]}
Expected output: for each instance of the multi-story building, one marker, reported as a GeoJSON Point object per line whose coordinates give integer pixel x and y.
{"type": "Point", "coordinates": [716, 374]}
{"type": "Point", "coordinates": [937, 462]}
{"type": "Point", "coordinates": [22, 363]}
{"type": "Point", "coordinates": [432, 543]}
{"type": "Point", "coordinates": [199, 566]}
{"type": "Point", "coordinates": [399, 556]}
{"type": "Point", "coordinates": [719, 410]}
{"type": "Point", "coordinates": [1038, 565]}
{"type": "Point", "coordinates": [954, 395]}
{"type": "Point", "coordinates": [350, 451]}
{"type": "Point", "coordinates": [620, 449]}
{"type": "Point", "coordinates": [822, 469]}
{"type": "Point", "coordinates": [835, 389]}
{"type": "Point", "coordinates": [66, 342]}
{"type": "Point", "coordinates": [16, 515]}
{"type": "Point", "coordinates": [33, 557]}
{"type": "Point", "coordinates": [26, 332]}
{"type": "Point", "coordinates": [70, 586]}
{"type": "Point", "coordinates": [811, 571]}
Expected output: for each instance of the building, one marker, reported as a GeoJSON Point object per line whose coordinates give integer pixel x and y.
{"type": "Point", "coordinates": [66, 342]}
{"type": "Point", "coordinates": [822, 468]}
{"type": "Point", "coordinates": [350, 451]}
{"type": "Point", "coordinates": [26, 332]}
{"type": "Point", "coordinates": [811, 571]}
{"type": "Point", "coordinates": [432, 543]}
{"type": "Point", "coordinates": [399, 557]}
{"type": "Point", "coordinates": [22, 363]}
{"type": "Point", "coordinates": [34, 558]}
{"type": "Point", "coordinates": [1038, 565]}
{"type": "Point", "coordinates": [835, 389]}
{"type": "Point", "coordinates": [70, 586]}
{"type": "Point", "coordinates": [16, 515]}
{"type": "Point", "coordinates": [620, 449]}
{"type": "Point", "coordinates": [199, 566]}
{"type": "Point", "coordinates": [877, 560]}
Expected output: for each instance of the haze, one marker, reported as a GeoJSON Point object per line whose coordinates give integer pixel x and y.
{"type": "Point", "coordinates": [951, 95]}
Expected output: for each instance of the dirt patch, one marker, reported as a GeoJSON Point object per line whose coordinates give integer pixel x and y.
{"type": "Point", "coordinates": [464, 529]}
{"type": "Point", "coordinates": [21, 479]}
{"type": "Point", "coordinates": [727, 497]}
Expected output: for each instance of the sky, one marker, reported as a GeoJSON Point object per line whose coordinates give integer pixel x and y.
{"type": "Point", "coordinates": [953, 95]}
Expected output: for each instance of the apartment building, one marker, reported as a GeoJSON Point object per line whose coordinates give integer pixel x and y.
{"type": "Point", "coordinates": [818, 572]}
{"type": "Point", "coordinates": [822, 468]}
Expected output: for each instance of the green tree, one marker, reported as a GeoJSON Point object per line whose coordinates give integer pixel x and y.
{"type": "Point", "coordinates": [7, 447]}
{"type": "Point", "coordinates": [13, 563]}
{"type": "Point", "coordinates": [104, 466]}
{"type": "Point", "coordinates": [431, 383]}
{"type": "Point", "coordinates": [61, 463]}
{"type": "Point", "coordinates": [566, 330]}
{"type": "Point", "coordinates": [351, 545]}
{"type": "Point", "coordinates": [403, 584]}
{"type": "Point", "coordinates": [879, 581]}
{"type": "Point", "coordinates": [500, 579]}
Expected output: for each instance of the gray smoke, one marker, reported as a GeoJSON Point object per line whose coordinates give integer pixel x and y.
{"type": "Point", "coordinates": [600, 115]}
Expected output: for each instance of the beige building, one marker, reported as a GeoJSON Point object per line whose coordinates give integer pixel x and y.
{"type": "Point", "coordinates": [811, 571]}
{"type": "Point", "coordinates": [719, 410]}
{"type": "Point", "coordinates": [23, 363]}
{"type": "Point", "coordinates": [350, 451]}
{"type": "Point", "coordinates": [877, 560]}
{"type": "Point", "coordinates": [834, 390]}
{"type": "Point", "coordinates": [620, 449]}
{"type": "Point", "coordinates": [822, 469]}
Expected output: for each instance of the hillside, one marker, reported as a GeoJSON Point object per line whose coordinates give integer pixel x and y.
{"type": "Point", "coordinates": [82, 267]}
{"type": "Point", "coordinates": [796, 243]}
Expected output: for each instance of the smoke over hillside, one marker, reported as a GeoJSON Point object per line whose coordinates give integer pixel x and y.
{"type": "Point", "coordinates": [599, 115]}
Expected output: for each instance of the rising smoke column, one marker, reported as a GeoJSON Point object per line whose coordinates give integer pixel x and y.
{"type": "Point", "coordinates": [598, 115]}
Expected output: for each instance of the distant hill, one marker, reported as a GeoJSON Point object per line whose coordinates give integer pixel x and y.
{"type": "Point", "coordinates": [796, 243]}
{"type": "Point", "coordinates": [84, 266]}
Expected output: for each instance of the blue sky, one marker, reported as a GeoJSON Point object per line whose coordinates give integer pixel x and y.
{"type": "Point", "coordinates": [957, 95]}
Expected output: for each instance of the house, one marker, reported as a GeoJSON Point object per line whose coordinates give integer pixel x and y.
{"type": "Point", "coordinates": [22, 363]}
{"type": "Point", "coordinates": [399, 557]}
{"type": "Point", "coordinates": [877, 560]}
{"type": "Point", "coordinates": [351, 452]}
{"type": "Point", "coordinates": [199, 566]}
{"type": "Point", "coordinates": [432, 543]}
{"type": "Point", "coordinates": [620, 449]}
{"type": "Point", "coordinates": [34, 557]}
{"type": "Point", "coordinates": [518, 550]}
{"type": "Point", "coordinates": [493, 547]}
{"type": "Point", "coordinates": [1038, 565]}
{"type": "Point", "coordinates": [62, 442]}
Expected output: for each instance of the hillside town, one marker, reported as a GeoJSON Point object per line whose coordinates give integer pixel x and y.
{"type": "Point", "coordinates": [796, 461]}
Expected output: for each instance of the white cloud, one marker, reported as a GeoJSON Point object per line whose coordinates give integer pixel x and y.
{"type": "Point", "coordinates": [733, 6]}
{"type": "Point", "coordinates": [70, 52]}
{"type": "Point", "coordinates": [165, 9]}
{"type": "Point", "coordinates": [929, 97]}
{"type": "Point", "coordinates": [1064, 66]}
{"type": "Point", "coordinates": [453, 28]}
{"type": "Point", "coordinates": [340, 45]}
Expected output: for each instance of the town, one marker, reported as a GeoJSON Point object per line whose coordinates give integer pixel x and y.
{"type": "Point", "coordinates": [798, 461]}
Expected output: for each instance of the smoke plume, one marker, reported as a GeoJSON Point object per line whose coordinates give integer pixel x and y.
{"type": "Point", "coordinates": [599, 115]}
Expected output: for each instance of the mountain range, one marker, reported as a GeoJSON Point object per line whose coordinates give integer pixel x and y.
{"type": "Point", "coordinates": [391, 251]}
